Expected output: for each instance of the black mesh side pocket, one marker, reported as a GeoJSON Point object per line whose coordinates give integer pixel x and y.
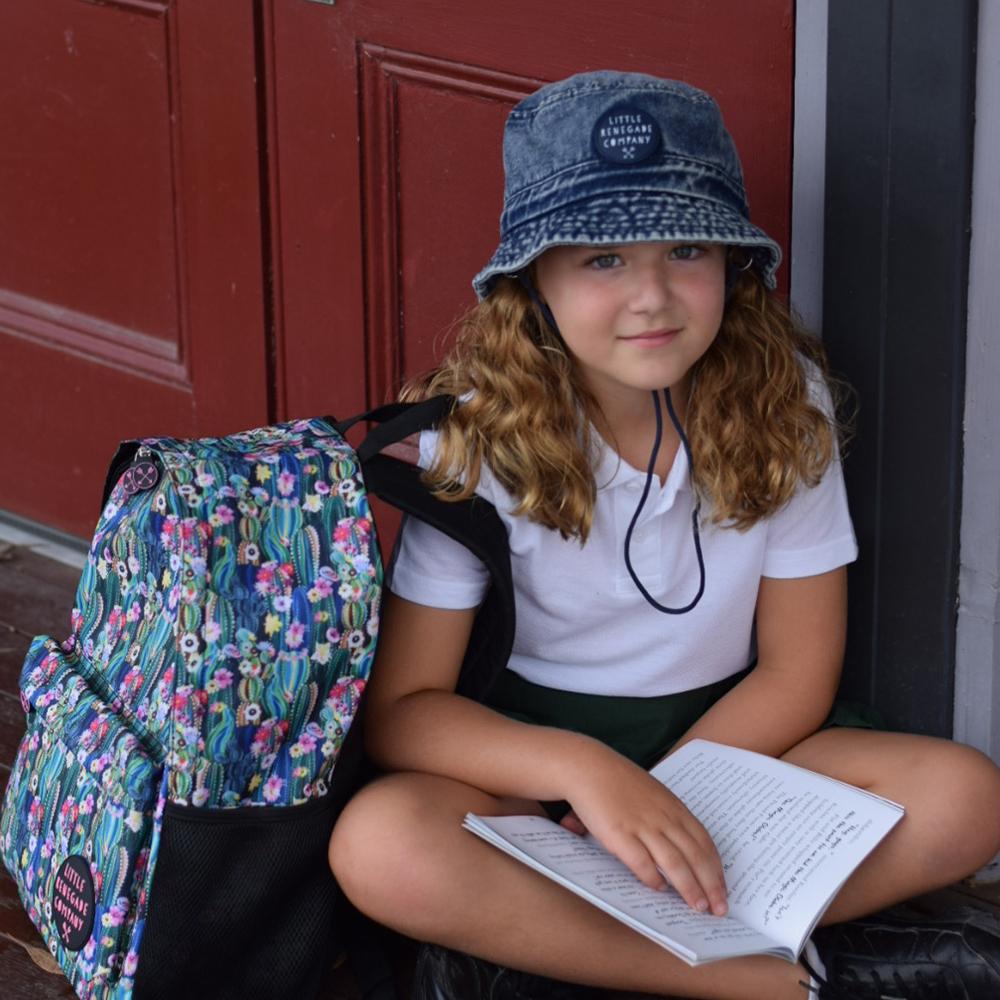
{"type": "Point", "coordinates": [242, 904]}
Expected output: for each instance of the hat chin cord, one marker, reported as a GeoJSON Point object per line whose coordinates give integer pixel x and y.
{"type": "Point", "coordinates": [546, 312]}
{"type": "Point", "coordinates": [650, 472]}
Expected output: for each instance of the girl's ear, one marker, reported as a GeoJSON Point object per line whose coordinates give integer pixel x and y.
{"type": "Point", "coordinates": [738, 260]}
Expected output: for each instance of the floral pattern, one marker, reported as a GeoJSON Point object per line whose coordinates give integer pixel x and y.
{"type": "Point", "coordinates": [222, 634]}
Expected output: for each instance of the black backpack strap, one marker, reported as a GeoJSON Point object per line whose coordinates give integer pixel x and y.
{"type": "Point", "coordinates": [396, 421]}
{"type": "Point", "coordinates": [122, 460]}
{"type": "Point", "coordinates": [478, 527]}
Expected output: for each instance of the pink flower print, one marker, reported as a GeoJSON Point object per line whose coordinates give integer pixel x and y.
{"type": "Point", "coordinates": [322, 488]}
{"type": "Point", "coordinates": [223, 677]}
{"type": "Point", "coordinates": [294, 634]}
{"type": "Point", "coordinates": [323, 586]}
{"type": "Point", "coordinates": [282, 603]}
{"type": "Point", "coordinates": [131, 964]}
{"type": "Point", "coordinates": [286, 484]}
{"type": "Point", "coordinates": [224, 514]}
{"type": "Point", "coordinates": [212, 631]}
{"type": "Point", "coordinates": [272, 788]}
{"type": "Point", "coordinates": [265, 579]}
{"type": "Point", "coordinates": [118, 912]}
{"type": "Point", "coordinates": [307, 742]}
{"type": "Point", "coordinates": [364, 525]}
{"type": "Point", "coordinates": [204, 479]}
{"type": "Point", "coordinates": [332, 635]}
{"type": "Point", "coordinates": [342, 533]}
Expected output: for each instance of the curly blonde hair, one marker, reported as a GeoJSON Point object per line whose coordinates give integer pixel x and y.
{"type": "Point", "coordinates": [753, 424]}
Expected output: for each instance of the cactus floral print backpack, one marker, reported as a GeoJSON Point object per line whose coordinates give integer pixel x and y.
{"type": "Point", "coordinates": [189, 746]}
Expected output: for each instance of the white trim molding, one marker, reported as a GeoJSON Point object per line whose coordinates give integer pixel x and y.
{"type": "Point", "coordinates": [977, 666]}
{"type": "Point", "coordinates": [809, 161]}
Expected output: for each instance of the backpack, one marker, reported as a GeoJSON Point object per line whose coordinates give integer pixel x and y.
{"type": "Point", "coordinates": [189, 746]}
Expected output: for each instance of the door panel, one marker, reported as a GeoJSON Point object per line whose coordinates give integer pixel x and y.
{"type": "Point", "coordinates": [130, 264]}
{"type": "Point", "coordinates": [400, 107]}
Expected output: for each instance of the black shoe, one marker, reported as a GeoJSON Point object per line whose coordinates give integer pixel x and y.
{"type": "Point", "coordinates": [442, 974]}
{"type": "Point", "coordinates": [890, 955]}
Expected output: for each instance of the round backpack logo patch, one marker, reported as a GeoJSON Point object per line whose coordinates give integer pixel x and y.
{"type": "Point", "coordinates": [140, 477]}
{"type": "Point", "coordinates": [626, 134]}
{"type": "Point", "coordinates": [73, 902]}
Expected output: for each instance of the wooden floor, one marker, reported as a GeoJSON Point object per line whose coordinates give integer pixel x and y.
{"type": "Point", "coordinates": [36, 594]}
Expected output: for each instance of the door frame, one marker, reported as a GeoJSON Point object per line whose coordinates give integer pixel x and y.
{"type": "Point", "coordinates": [901, 85]}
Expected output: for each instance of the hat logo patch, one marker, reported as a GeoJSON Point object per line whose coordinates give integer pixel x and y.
{"type": "Point", "coordinates": [626, 134]}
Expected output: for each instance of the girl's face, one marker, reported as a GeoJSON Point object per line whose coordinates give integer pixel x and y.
{"type": "Point", "coordinates": [635, 317]}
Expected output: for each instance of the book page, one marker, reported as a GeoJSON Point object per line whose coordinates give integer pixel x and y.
{"type": "Point", "coordinates": [788, 838]}
{"type": "Point", "coordinates": [582, 865]}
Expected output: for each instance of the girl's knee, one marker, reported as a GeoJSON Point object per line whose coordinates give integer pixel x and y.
{"type": "Point", "coordinates": [962, 802]}
{"type": "Point", "coordinates": [386, 847]}
{"type": "Point", "coordinates": [977, 780]}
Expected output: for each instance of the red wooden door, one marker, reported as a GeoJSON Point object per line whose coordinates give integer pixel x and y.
{"type": "Point", "coordinates": [130, 257]}
{"type": "Point", "coordinates": [386, 118]}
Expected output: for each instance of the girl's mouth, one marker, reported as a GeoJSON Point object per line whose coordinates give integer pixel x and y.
{"type": "Point", "coordinates": [653, 338]}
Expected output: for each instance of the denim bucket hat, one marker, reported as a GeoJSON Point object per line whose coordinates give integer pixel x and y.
{"type": "Point", "coordinates": [608, 158]}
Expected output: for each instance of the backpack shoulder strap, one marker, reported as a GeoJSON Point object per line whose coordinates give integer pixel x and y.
{"type": "Point", "coordinates": [473, 522]}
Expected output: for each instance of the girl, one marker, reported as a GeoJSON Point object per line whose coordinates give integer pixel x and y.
{"type": "Point", "coordinates": [702, 598]}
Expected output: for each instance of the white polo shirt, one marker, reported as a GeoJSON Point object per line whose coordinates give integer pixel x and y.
{"type": "Point", "coordinates": [581, 624]}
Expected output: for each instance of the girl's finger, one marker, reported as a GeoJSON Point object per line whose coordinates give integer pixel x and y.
{"type": "Point", "coordinates": [673, 866]}
{"type": "Point", "coordinates": [572, 822]}
{"type": "Point", "coordinates": [639, 861]}
{"type": "Point", "coordinates": [699, 872]}
{"type": "Point", "coordinates": [704, 859]}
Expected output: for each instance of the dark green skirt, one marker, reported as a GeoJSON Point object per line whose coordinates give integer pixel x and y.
{"type": "Point", "coordinates": [642, 729]}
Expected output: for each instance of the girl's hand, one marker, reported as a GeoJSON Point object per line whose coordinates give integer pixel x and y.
{"type": "Point", "coordinates": [648, 828]}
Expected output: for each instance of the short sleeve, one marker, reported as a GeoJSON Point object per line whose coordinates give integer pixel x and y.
{"type": "Point", "coordinates": [433, 569]}
{"type": "Point", "coordinates": [430, 567]}
{"type": "Point", "coordinates": [812, 533]}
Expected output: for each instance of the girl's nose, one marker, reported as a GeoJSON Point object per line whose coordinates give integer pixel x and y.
{"type": "Point", "coordinates": [652, 290]}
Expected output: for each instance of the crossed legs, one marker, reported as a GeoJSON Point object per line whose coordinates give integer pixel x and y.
{"type": "Point", "coordinates": [402, 857]}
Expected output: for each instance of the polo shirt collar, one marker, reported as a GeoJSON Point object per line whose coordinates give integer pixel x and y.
{"type": "Point", "coordinates": [612, 473]}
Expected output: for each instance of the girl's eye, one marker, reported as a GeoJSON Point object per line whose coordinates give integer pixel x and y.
{"type": "Point", "coordinates": [687, 252]}
{"type": "Point", "coordinates": [603, 261]}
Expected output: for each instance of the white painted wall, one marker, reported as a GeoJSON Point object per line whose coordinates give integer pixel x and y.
{"type": "Point", "coordinates": [977, 672]}
{"type": "Point", "coordinates": [809, 161]}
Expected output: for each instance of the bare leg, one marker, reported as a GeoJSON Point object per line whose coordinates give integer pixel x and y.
{"type": "Point", "coordinates": [952, 799]}
{"type": "Point", "coordinates": [402, 857]}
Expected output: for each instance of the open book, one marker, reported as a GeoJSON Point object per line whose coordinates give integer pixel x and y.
{"type": "Point", "coordinates": [788, 840]}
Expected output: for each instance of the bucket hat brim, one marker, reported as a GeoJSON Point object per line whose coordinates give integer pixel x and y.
{"type": "Point", "coordinates": [619, 218]}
